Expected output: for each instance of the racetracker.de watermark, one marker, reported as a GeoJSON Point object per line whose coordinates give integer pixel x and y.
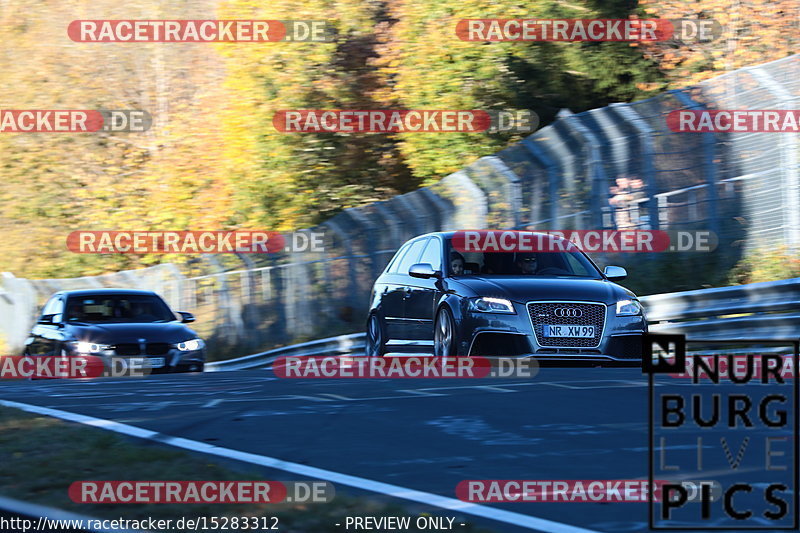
{"type": "Point", "coordinates": [566, 490]}
{"type": "Point", "coordinates": [405, 121]}
{"type": "Point", "coordinates": [608, 241]}
{"type": "Point", "coordinates": [199, 31]}
{"type": "Point", "coordinates": [50, 367]}
{"type": "Point", "coordinates": [74, 120]}
{"type": "Point", "coordinates": [594, 30]}
{"type": "Point", "coordinates": [734, 121]}
{"type": "Point", "coordinates": [80, 366]}
{"type": "Point", "coordinates": [194, 242]}
{"type": "Point", "coordinates": [409, 367]}
{"type": "Point", "coordinates": [194, 492]}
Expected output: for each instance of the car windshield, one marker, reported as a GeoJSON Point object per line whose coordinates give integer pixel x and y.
{"type": "Point", "coordinates": [545, 264]}
{"type": "Point", "coordinates": [118, 308]}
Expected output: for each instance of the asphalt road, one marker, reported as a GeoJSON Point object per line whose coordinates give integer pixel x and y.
{"type": "Point", "coordinates": [426, 435]}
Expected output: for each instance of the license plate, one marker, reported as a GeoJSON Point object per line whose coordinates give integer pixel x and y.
{"type": "Point", "coordinates": [148, 362]}
{"type": "Point", "coordinates": [568, 330]}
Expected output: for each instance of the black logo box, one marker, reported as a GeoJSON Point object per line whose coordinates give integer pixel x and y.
{"type": "Point", "coordinates": [662, 366]}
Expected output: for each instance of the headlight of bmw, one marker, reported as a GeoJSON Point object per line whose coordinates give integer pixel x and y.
{"type": "Point", "coordinates": [491, 305]}
{"type": "Point", "coordinates": [629, 308]}
{"type": "Point", "coordinates": [87, 348]}
{"type": "Point", "coordinates": [190, 345]}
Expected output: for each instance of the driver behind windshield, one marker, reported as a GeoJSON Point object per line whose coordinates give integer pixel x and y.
{"type": "Point", "coordinates": [527, 263]}
{"type": "Point", "coordinates": [75, 311]}
{"type": "Point", "coordinates": [118, 309]}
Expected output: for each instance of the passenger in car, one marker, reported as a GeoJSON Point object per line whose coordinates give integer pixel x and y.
{"type": "Point", "coordinates": [456, 263]}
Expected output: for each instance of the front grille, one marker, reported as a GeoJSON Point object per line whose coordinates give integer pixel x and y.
{"type": "Point", "coordinates": [157, 348]}
{"type": "Point", "coordinates": [592, 314]}
{"type": "Point", "coordinates": [127, 349]}
{"type": "Point", "coordinates": [152, 348]}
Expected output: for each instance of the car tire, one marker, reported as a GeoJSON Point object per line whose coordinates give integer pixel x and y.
{"type": "Point", "coordinates": [375, 345]}
{"type": "Point", "coordinates": [193, 368]}
{"type": "Point", "coordinates": [444, 334]}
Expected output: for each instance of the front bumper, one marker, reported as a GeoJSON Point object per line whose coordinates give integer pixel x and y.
{"type": "Point", "coordinates": [502, 334]}
{"type": "Point", "coordinates": [173, 360]}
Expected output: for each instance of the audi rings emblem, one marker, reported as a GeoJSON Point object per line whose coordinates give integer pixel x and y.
{"type": "Point", "coordinates": [568, 312]}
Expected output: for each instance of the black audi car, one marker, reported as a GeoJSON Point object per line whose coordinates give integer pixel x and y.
{"type": "Point", "coordinates": [553, 305]}
{"type": "Point", "coordinates": [118, 323]}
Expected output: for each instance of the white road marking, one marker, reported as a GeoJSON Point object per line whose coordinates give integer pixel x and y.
{"type": "Point", "coordinates": [500, 515]}
{"type": "Point", "coordinates": [493, 389]}
{"type": "Point", "coordinates": [338, 397]}
{"type": "Point", "coordinates": [420, 392]}
{"type": "Point", "coordinates": [617, 384]}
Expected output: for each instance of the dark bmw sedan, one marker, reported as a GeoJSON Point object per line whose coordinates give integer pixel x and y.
{"type": "Point", "coordinates": [553, 305]}
{"type": "Point", "coordinates": [125, 323]}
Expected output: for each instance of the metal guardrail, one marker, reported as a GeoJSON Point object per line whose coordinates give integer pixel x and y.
{"type": "Point", "coordinates": [341, 345]}
{"type": "Point", "coordinates": [769, 310]}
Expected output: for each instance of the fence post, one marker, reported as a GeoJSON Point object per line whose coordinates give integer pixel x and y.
{"type": "Point", "coordinates": [18, 296]}
{"type": "Point", "coordinates": [789, 160]}
{"type": "Point", "coordinates": [709, 153]}
{"type": "Point", "coordinates": [469, 201]}
{"type": "Point", "coordinates": [443, 208]}
{"type": "Point", "coordinates": [597, 175]}
{"type": "Point", "coordinates": [352, 273]}
{"type": "Point", "coordinates": [372, 239]}
{"type": "Point", "coordinates": [540, 154]}
{"type": "Point", "coordinates": [514, 186]}
{"type": "Point", "coordinates": [645, 135]}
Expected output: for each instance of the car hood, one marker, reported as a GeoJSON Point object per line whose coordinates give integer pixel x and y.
{"type": "Point", "coordinates": [132, 332]}
{"type": "Point", "coordinates": [525, 288]}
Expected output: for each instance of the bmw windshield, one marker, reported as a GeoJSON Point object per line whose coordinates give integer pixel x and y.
{"type": "Point", "coordinates": [117, 308]}
{"type": "Point", "coordinates": [545, 264]}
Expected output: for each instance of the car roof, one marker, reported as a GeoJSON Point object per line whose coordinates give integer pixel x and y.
{"type": "Point", "coordinates": [91, 292]}
{"type": "Point", "coordinates": [445, 234]}
{"type": "Point", "coordinates": [449, 234]}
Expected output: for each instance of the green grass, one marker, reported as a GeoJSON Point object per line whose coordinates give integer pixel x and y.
{"type": "Point", "coordinates": [42, 456]}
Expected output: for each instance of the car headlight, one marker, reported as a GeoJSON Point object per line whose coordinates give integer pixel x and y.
{"type": "Point", "coordinates": [191, 345]}
{"type": "Point", "coordinates": [629, 308]}
{"type": "Point", "coordinates": [86, 348]}
{"type": "Point", "coordinates": [491, 305]}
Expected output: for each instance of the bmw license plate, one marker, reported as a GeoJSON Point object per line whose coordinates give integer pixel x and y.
{"type": "Point", "coordinates": [568, 330]}
{"type": "Point", "coordinates": [153, 362]}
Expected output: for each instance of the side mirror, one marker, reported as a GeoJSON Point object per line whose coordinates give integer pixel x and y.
{"type": "Point", "coordinates": [186, 317]}
{"type": "Point", "coordinates": [423, 270]}
{"type": "Point", "coordinates": [615, 273]}
{"type": "Point", "coordinates": [46, 320]}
